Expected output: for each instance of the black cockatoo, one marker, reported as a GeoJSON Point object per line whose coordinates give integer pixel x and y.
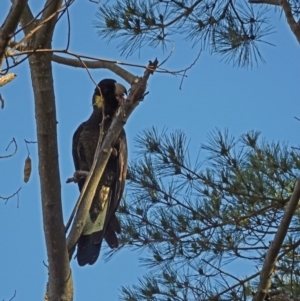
{"type": "Point", "coordinates": [102, 222]}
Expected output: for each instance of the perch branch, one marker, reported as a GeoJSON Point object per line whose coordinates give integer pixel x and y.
{"type": "Point", "coordinates": [271, 256]}
{"type": "Point", "coordinates": [102, 155]}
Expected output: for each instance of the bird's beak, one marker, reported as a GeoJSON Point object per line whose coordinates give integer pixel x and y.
{"type": "Point", "coordinates": [120, 90]}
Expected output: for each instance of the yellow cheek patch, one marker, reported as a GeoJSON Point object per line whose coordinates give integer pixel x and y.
{"type": "Point", "coordinates": [98, 101]}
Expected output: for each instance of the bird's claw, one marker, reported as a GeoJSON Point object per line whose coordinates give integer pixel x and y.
{"type": "Point", "coordinates": [78, 175]}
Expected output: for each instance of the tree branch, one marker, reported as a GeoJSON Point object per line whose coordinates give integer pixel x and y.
{"type": "Point", "coordinates": [271, 257]}
{"type": "Point", "coordinates": [287, 11]}
{"type": "Point", "coordinates": [13, 141]}
{"type": "Point", "coordinates": [27, 20]}
{"type": "Point", "coordinates": [6, 199]}
{"type": "Point", "coordinates": [35, 30]}
{"type": "Point", "coordinates": [102, 155]}
{"type": "Point", "coordinates": [290, 19]}
{"type": "Point", "coordinates": [48, 20]}
{"type": "Point", "coordinates": [127, 76]}
{"type": "Point", "coordinates": [10, 24]}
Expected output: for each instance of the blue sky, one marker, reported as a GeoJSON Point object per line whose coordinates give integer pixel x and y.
{"type": "Point", "coordinates": [213, 95]}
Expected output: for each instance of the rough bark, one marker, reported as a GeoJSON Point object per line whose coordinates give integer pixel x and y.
{"type": "Point", "coordinates": [10, 24]}
{"type": "Point", "coordinates": [60, 286]}
{"type": "Point", "coordinates": [60, 278]}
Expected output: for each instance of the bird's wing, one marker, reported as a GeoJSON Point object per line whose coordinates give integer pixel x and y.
{"type": "Point", "coordinates": [78, 153]}
{"type": "Point", "coordinates": [102, 221]}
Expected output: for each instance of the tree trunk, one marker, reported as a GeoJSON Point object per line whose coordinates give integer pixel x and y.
{"type": "Point", "coordinates": [60, 277]}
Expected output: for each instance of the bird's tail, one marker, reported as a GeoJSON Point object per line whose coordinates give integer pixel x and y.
{"type": "Point", "coordinates": [110, 234]}
{"type": "Point", "coordinates": [87, 250]}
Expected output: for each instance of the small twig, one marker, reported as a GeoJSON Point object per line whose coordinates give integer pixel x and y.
{"type": "Point", "coordinates": [167, 58]}
{"type": "Point", "coordinates": [14, 152]}
{"type": "Point", "coordinates": [180, 87]}
{"type": "Point", "coordinates": [27, 148]}
{"type": "Point", "coordinates": [46, 265]}
{"type": "Point", "coordinates": [6, 199]}
{"type": "Point", "coordinates": [189, 67]}
{"type": "Point", "coordinates": [221, 271]}
{"type": "Point", "coordinates": [271, 2]}
{"type": "Point", "coordinates": [297, 118]}
{"type": "Point", "coordinates": [14, 295]}
{"type": "Point", "coordinates": [12, 141]}
{"type": "Point", "coordinates": [29, 142]}
{"type": "Point", "coordinates": [2, 102]}
{"type": "Point", "coordinates": [69, 26]}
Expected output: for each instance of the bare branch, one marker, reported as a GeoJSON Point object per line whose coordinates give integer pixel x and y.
{"type": "Point", "coordinates": [271, 257]}
{"type": "Point", "coordinates": [29, 142]}
{"type": "Point", "coordinates": [14, 295]}
{"type": "Point", "coordinates": [6, 199]}
{"type": "Point", "coordinates": [189, 67]}
{"type": "Point", "coordinates": [127, 76]}
{"type": "Point", "coordinates": [2, 101]}
{"type": "Point", "coordinates": [10, 24]}
{"type": "Point", "coordinates": [14, 152]}
{"type": "Point", "coordinates": [95, 63]}
{"type": "Point", "coordinates": [27, 20]}
{"type": "Point", "coordinates": [48, 19]}
{"type": "Point", "coordinates": [241, 282]}
{"type": "Point", "coordinates": [36, 29]}
{"type": "Point", "coordinates": [88, 191]}
{"type": "Point", "coordinates": [271, 2]}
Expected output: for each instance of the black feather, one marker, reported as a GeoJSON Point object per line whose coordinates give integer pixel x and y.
{"type": "Point", "coordinates": [111, 185]}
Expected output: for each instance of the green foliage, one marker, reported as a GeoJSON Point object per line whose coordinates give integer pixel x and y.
{"type": "Point", "coordinates": [197, 219]}
{"type": "Point", "coordinates": [230, 28]}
